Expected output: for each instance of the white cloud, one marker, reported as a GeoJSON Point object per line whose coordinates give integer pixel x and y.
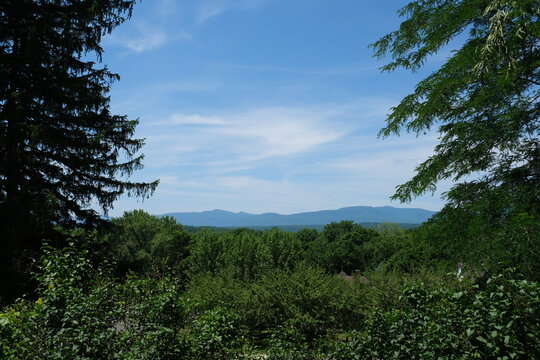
{"type": "Point", "coordinates": [145, 37]}
{"type": "Point", "coordinates": [193, 119]}
{"type": "Point", "coordinates": [171, 20]}
{"type": "Point", "coordinates": [279, 131]}
{"type": "Point", "coordinates": [142, 101]}
{"type": "Point", "coordinates": [239, 140]}
{"type": "Point", "coordinates": [149, 39]}
{"type": "Point", "coordinates": [209, 10]}
{"type": "Point", "coordinates": [206, 10]}
{"type": "Point", "coordinates": [284, 159]}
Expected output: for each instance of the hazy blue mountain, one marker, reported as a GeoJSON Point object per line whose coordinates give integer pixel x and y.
{"type": "Point", "coordinates": [289, 228]}
{"type": "Point", "coordinates": [358, 214]}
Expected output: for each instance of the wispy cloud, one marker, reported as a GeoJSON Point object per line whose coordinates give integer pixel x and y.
{"type": "Point", "coordinates": [208, 9]}
{"type": "Point", "coordinates": [149, 38]}
{"type": "Point", "coordinates": [240, 139]}
{"type": "Point", "coordinates": [146, 37]}
{"type": "Point", "coordinates": [171, 20]}
{"type": "Point", "coordinates": [142, 101]}
{"type": "Point", "coordinates": [192, 119]}
{"type": "Point", "coordinates": [282, 131]}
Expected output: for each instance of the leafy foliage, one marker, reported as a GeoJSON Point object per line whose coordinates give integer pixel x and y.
{"type": "Point", "coordinates": [82, 313]}
{"type": "Point", "coordinates": [484, 102]}
{"type": "Point", "coordinates": [245, 253]}
{"type": "Point", "coordinates": [287, 344]}
{"type": "Point", "coordinates": [139, 241]}
{"type": "Point", "coordinates": [304, 298]}
{"type": "Point", "coordinates": [499, 322]}
{"type": "Point", "coordinates": [485, 97]}
{"type": "Point", "coordinates": [215, 335]}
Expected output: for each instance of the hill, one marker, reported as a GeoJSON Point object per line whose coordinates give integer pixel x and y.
{"type": "Point", "coordinates": [358, 214]}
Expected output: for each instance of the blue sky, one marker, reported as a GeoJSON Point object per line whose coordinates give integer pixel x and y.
{"type": "Point", "coordinates": [264, 105]}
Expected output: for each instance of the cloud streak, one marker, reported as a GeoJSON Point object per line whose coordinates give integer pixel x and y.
{"type": "Point", "coordinates": [149, 38]}
{"type": "Point", "coordinates": [146, 37]}
{"type": "Point", "coordinates": [239, 140]}
{"type": "Point", "coordinates": [208, 9]}
{"type": "Point", "coordinates": [168, 21]}
{"type": "Point", "coordinates": [293, 158]}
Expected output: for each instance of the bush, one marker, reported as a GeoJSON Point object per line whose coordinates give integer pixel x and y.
{"type": "Point", "coordinates": [138, 242]}
{"type": "Point", "coordinates": [313, 302]}
{"type": "Point", "coordinates": [286, 343]}
{"type": "Point", "coordinates": [501, 321]}
{"type": "Point", "coordinates": [83, 314]}
{"type": "Point", "coordinates": [215, 335]}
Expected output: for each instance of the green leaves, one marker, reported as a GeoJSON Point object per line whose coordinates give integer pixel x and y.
{"type": "Point", "coordinates": [484, 103]}
{"type": "Point", "coordinates": [142, 242]}
{"type": "Point", "coordinates": [215, 335]}
{"type": "Point", "coordinates": [82, 313]}
{"type": "Point", "coordinates": [498, 322]}
{"type": "Point", "coordinates": [484, 98]}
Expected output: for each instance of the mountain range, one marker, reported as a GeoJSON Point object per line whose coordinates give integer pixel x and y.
{"type": "Point", "coordinates": [358, 214]}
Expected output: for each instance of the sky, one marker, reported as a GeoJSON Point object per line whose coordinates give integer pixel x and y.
{"type": "Point", "coordinates": [264, 105]}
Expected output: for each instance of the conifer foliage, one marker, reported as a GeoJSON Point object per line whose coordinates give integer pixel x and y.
{"type": "Point", "coordinates": [60, 146]}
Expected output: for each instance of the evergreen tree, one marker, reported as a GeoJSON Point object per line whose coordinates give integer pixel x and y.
{"type": "Point", "coordinates": [60, 146]}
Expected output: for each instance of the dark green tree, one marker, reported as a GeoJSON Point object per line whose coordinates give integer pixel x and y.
{"type": "Point", "coordinates": [484, 102]}
{"type": "Point", "coordinates": [141, 242]}
{"type": "Point", "coordinates": [60, 146]}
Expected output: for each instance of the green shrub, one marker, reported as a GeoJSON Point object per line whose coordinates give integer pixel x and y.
{"type": "Point", "coordinates": [501, 321]}
{"type": "Point", "coordinates": [305, 298]}
{"type": "Point", "coordinates": [83, 314]}
{"type": "Point", "coordinates": [215, 335]}
{"type": "Point", "coordinates": [286, 343]}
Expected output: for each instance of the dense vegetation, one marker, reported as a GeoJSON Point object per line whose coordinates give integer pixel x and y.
{"type": "Point", "coordinates": [464, 285]}
{"type": "Point", "coordinates": [146, 288]}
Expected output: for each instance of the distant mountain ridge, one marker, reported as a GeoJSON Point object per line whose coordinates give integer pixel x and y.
{"type": "Point", "coordinates": [358, 214]}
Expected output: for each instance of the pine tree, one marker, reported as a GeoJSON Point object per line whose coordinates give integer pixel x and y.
{"type": "Point", "coordinates": [60, 146]}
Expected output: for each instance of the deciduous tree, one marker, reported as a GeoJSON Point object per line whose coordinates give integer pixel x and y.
{"type": "Point", "coordinates": [484, 101]}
